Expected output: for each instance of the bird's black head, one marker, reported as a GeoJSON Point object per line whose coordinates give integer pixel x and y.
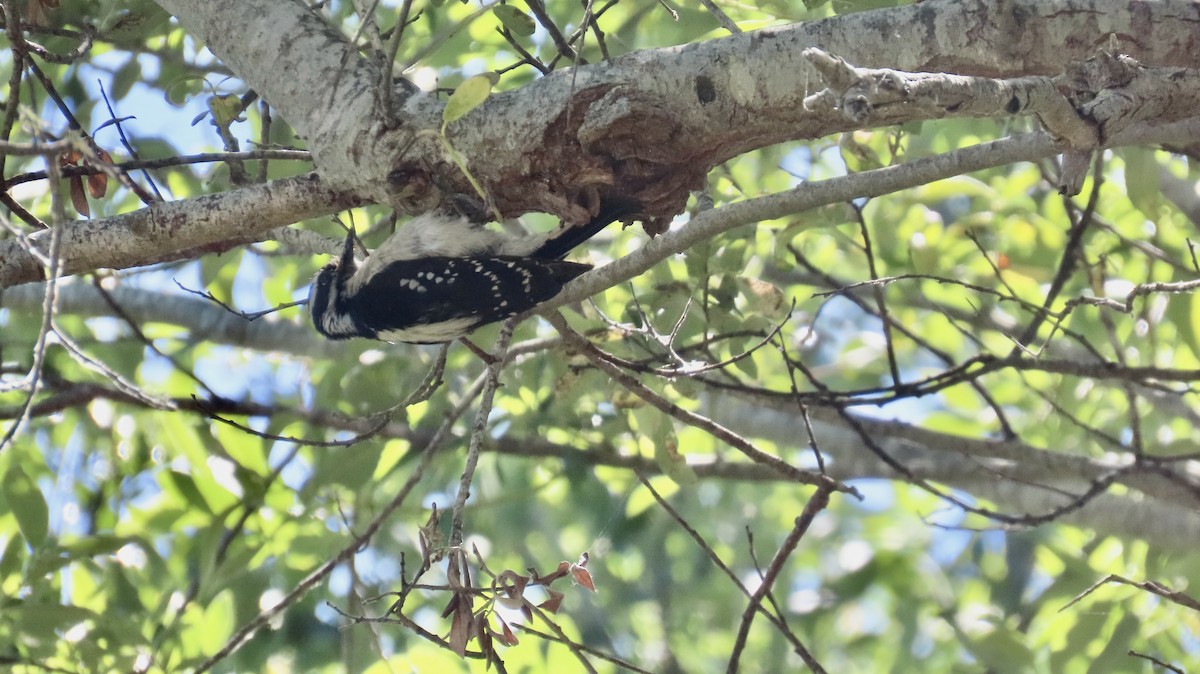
{"type": "Point", "coordinates": [327, 295]}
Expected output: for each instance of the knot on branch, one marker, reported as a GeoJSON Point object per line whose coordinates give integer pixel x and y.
{"type": "Point", "coordinates": [878, 97]}
{"type": "Point", "coordinates": [631, 149]}
{"type": "Point", "coordinates": [1082, 82]}
{"type": "Point", "coordinates": [1114, 92]}
{"type": "Point", "coordinates": [858, 91]}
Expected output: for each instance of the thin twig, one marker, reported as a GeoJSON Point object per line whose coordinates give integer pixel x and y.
{"type": "Point", "coordinates": [1160, 663]}
{"type": "Point", "coordinates": [479, 430]}
{"type": "Point", "coordinates": [721, 17]}
{"type": "Point", "coordinates": [631, 384]}
{"type": "Point", "coordinates": [34, 377]}
{"type": "Point", "coordinates": [310, 581]}
{"type": "Point", "coordinates": [564, 48]}
{"type": "Point", "coordinates": [816, 504]}
{"type": "Point", "coordinates": [166, 162]}
{"type": "Point", "coordinates": [112, 115]}
{"type": "Point", "coordinates": [774, 618]}
{"type": "Point", "coordinates": [881, 305]}
{"type": "Point", "coordinates": [1150, 586]}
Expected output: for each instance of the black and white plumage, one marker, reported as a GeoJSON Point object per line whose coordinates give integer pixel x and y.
{"type": "Point", "coordinates": [439, 278]}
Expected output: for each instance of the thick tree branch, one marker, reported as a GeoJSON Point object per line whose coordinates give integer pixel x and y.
{"type": "Point", "coordinates": [645, 128]}
{"type": "Point", "coordinates": [877, 182]}
{"type": "Point", "coordinates": [201, 318]}
{"type": "Point", "coordinates": [937, 456]}
{"type": "Point", "coordinates": [176, 230]}
{"type": "Point", "coordinates": [971, 465]}
{"type": "Point", "coordinates": [316, 79]}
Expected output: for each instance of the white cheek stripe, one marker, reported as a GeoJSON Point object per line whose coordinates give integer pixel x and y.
{"type": "Point", "coordinates": [338, 324]}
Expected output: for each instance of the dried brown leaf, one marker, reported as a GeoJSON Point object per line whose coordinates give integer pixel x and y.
{"type": "Point", "coordinates": [78, 198]}
{"type": "Point", "coordinates": [583, 577]}
{"type": "Point", "coordinates": [553, 603]}
{"type": "Point", "coordinates": [98, 184]}
{"type": "Point", "coordinates": [507, 637]}
{"type": "Point", "coordinates": [461, 630]}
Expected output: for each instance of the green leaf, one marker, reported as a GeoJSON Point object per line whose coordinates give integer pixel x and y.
{"type": "Point", "coordinates": [515, 20]}
{"type": "Point", "coordinates": [45, 620]}
{"type": "Point", "coordinates": [858, 155]}
{"type": "Point", "coordinates": [1115, 656]}
{"type": "Point", "coordinates": [99, 544]}
{"type": "Point", "coordinates": [392, 452]}
{"type": "Point", "coordinates": [763, 298]}
{"type": "Point", "coordinates": [1184, 312]}
{"type": "Point", "coordinates": [180, 90]}
{"type": "Point", "coordinates": [126, 76]}
{"type": "Point", "coordinates": [132, 19]}
{"type": "Point", "coordinates": [225, 108]}
{"type": "Point", "coordinates": [731, 258]}
{"type": "Point", "coordinates": [246, 450]}
{"type": "Point", "coordinates": [12, 558]}
{"type": "Point", "coordinates": [1002, 651]}
{"type": "Point", "coordinates": [1141, 180]}
{"type": "Point", "coordinates": [348, 466]}
{"type": "Point", "coordinates": [469, 95]}
{"type": "Point", "coordinates": [641, 499]}
{"type": "Point", "coordinates": [670, 461]}
{"type": "Point", "coordinates": [209, 628]}
{"type": "Point", "coordinates": [852, 6]}
{"type": "Point", "coordinates": [185, 486]}
{"type": "Point", "coordinates": [47, 560]}
{"type": "Point", "coordinates": [27, 504]}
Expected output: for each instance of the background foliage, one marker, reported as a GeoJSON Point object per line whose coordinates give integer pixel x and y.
{"type": "Point", "coordinates": [140, 532]}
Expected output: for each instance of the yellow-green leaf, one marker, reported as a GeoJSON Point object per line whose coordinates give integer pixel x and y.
{"type": "Point", "coordinates": [392, 452]}
{"type": "Point", "coordinates": [515, 20]}
{"type": "Point", "coordinates": [641, 499]}
{"type": "Point", "coordinates": [671, 462]}
{"type": "Point", "coordinates": [468, 96]}
{"type": "Point", "coordinates": [225, 109]}
{"type": "Point", "coordinates": [1141, 180]}
{"type": "Point", "coordinates": [27, 504]}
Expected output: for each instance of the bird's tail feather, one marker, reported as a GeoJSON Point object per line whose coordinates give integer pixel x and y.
{"type": "Point", "coordinates": [557, 247]}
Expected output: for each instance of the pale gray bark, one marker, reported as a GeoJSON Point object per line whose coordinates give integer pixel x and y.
{"type": "Point", "coordinates": [205, 320]}
{"type": "Point", "coordinates": [644, 128]}
{"type": "Point", "coordinates": [649, 125]}
{"type": "Point", "coordinates": [1019, 479]}
{"type": "Point", "coordinates": [711, 223]}
{"type": "Point", "coordinates": [174, 230]}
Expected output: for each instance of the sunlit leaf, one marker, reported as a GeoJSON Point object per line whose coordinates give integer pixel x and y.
{"type": "Point", "coordinates": [468, 96]}
{"type": "Point", "coordinates": [515, 20]}
{"type": "Point", "coordinates": [27, 504]}
{"type": "Point", "coordinates": [1141, 180]}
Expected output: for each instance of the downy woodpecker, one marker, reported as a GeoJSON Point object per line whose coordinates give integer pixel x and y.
{"type": "Point", "coordinates": [440, 277]}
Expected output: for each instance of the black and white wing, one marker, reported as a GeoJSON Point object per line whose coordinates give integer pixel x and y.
{"type": "Point", "coordinates": [437, 299]}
